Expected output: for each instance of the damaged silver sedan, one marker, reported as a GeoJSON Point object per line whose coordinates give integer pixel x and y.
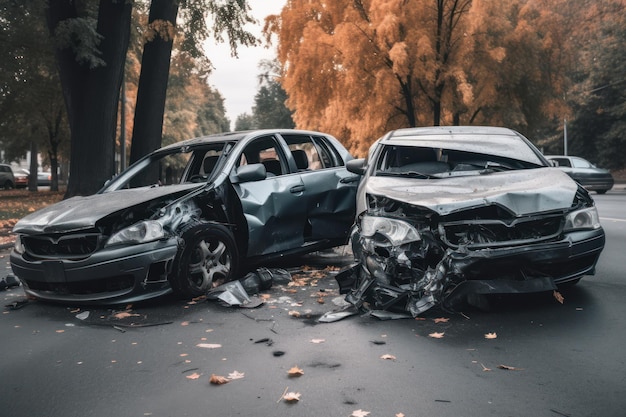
{"type": "Point", "coordinates": [447, 214]}
{"type": "Point", "coordinates": [189, 217]}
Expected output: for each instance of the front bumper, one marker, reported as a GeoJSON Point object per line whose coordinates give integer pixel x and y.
{"type": "Point", "coordinates": [380, 282]}
{"type": "Point", "coordinates": [114, 275]}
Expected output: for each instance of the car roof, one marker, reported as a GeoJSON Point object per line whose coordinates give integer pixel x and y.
{"type": "Point", "coordinates": [238, 136]}
{"type": "Point", "coordinates": [499, 141]}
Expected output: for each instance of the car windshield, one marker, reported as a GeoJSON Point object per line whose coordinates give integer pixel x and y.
{"type": "Point", "coordinates": [173, 166]}
{"type": "Point", "coordinates": [429, 162]}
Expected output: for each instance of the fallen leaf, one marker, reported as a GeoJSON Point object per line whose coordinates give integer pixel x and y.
{"type": "Point", "coordinates": [359, 413]}
{"type": "Point", "coordinates": [182, 355]}
{"type": "Point", "coordinates": [388, 356]}
{"type": "Point", "coordinates": [437, 335]}
{"type": "Point", "coordinates": [420, 319]}
{"type": "Point", "coordinates": [295, 371]}
{"type": "Point", "coordinates": [491, 335]}
{"type": "Point", "coordinates": [294, 313]}
{"type": "Point", "coordinates": [442, 320]}
{"type": "Point", "coordinates": [292, 397]}
{"type": "Point", "coordinates": [125, 314]}
{"type": "Point", "coordinates": [320, 300]}
{"type": "Point", "coordinates": [400, 415]}
{"type": "Point", "coordinates": [318, 341]}
{"type": "Point", "coordinates": [195, 375]}
{"type": "Point", "coordinates": [184, 323]}
{"type": "Point", "coordinates": [558, 296]}
{"type": "Point", "coordinates": [509, 368]}
{"type": "Point", "coordinates": [209, 345]}
{"type": "Point", "coordinates": [235, 375]}
{"type": "Point", "coordinates": [485, 369]}
{"type": "Point", "coordinates": [218, 380]}
{"type": "Point", "coordinates": [60, 331]}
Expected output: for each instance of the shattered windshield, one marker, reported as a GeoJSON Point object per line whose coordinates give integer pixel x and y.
{"type": "Point", "coordinates": [425, 162]}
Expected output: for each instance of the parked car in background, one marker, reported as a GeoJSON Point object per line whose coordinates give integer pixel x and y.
{"type": "Point", "coordinates": [21, 178]}
{"type": "Point", "coordinates": [7, 179]}
{"type": "Point", "coordinates": [189, 217]}
{"type": "Point", "coordinates": [446, 215]}
{"type": "Point", "coordinates": [591, 177]}
{"type": "Point", "coordinates": [44, 178]}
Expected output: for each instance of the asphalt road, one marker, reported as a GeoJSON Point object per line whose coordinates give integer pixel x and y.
{"type": "Point", "coordinates": [156, 359]}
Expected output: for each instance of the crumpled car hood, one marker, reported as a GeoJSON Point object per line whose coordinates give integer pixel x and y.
{"type": "Point", "coordinates": [522, 191]}
{"type": "Point", "coordinates": [79, 213]}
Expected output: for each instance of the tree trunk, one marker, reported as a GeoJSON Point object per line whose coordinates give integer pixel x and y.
{"type": "Point", "coordinates": [33, 167]}
{"type": "Point", "coordinates": [91, 94]}
{"type": "Point", "coordinates": [152, 89]}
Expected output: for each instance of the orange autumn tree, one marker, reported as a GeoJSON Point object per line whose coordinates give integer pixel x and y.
{"type": "Point", "coordinates": [359, 68]}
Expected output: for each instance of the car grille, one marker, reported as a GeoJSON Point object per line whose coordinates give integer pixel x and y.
{"type": "Point", "coordinates": [484, 233]}
{"type": "Point", "coordinates": [72, 246]}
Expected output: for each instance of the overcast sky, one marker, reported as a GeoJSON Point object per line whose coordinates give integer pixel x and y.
{"type": "Point", "coordinates": [236, 78]}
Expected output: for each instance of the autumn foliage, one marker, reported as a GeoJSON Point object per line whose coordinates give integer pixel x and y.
{"type": "Point", "coordinates": [359, 68]}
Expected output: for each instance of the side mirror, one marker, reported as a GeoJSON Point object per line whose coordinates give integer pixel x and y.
{"type": "Point", "coordinates": [251, 172]}
{"type": "Point", "coordinates": [356, 166]}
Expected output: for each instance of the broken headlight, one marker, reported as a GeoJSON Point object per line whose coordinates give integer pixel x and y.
{"type": "Point", "coordinates": [142, 232]}
{"type": "Point", "coordinates": [396, 231]}
{"type": "Point", "coordinates": [586, 218]}
{"type": "Point", "coordinates": [19, 245]}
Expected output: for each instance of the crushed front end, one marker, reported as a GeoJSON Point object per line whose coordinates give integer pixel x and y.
{"type": "Point", "coordinates": [412, 257]}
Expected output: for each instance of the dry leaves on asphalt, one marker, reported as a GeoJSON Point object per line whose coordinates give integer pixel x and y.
{"type": "Point", "coordinates": [359, 413]}
{"type": "Point", "coordinates": [209, 345]}
{"type": "Point", "coordinates": [388, 357]}
{"type": "Point", "coordinates": [195, 375]}
{"type": "Point", "coordinates": [292, 397]}
{"type": "Point", "coordinates": [437, 335]}
{"type": "Point", "coordinates": [295, 371]}
{"type": "Point", "coordinates": [442, 320]}
{"type": "Point", "coordinates": [218, 379]}
{"type": "Point", "coordinates": [235, 375]}
{"type": "Point", "coordinates": [509, 368]}
{"type": "Point", "coordinates": [491, 335]}
{"type": "Point", "coordinates": [557, 295]}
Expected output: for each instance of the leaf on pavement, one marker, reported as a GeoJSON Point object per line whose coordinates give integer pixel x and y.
{"type": "Point", "coordinates": [558, 296]}
{"type": "Point", "coordinates": [388, 356]}
{"type": "Point", "coordinates": [292, 397]}
{"type": "Point", "coordinates": [294, 313]}
{"type": "Point", "coordinates": [209, 345]}
{"type": "Point", "coordinates": [235, 375]}
{"type": "Point", "coordinates": [359, 413]}
{"type": "Point", "coordinates": [195, 375]}
{"type": "Point", "coordinates": [218, 379]}
{"type": "Point", "coordinates": [400, 415]}
{"type": "Point", "coordinates": [437, 335]}
{"type": "Point", "coordinates": [442, 320]}
{"type": "Point", "coordinates": [125, 314]}
{"type": "Point", "coordinates": [318, 341]}
{"type": "Point", "coordinates": [295, 371]}
{"type": "Point", "coordinates": [491, 335]}
{"type": "Point", "coordinates": [485, 369]}
{"type": "Point", "coordinates": [509, 368]}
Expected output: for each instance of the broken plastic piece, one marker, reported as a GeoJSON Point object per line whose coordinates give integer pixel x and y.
{"type": "Point", "coordinates": [232, 293]}
{"type": "Point", "coordinates": [333, 316]}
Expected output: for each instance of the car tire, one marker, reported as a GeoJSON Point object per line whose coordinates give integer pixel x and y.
{"type": "Point", "coordinates": [208, 258]}
{"type": "Point", "coordinates": [8, 185]}
{"type": "Point", "coordinates": [601, 191]}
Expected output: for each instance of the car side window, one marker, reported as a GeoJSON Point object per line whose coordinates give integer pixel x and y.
{"type": "Point", "coordinates": [562, 162]}
{"type": "Point", "coordinates": [581, 163]}
{"type": "Point", "coordinates": [264, 150]}
{"type": "Point", "coordinates": [310, 153]}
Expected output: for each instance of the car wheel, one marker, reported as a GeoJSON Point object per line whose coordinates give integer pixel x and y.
{"type": "Point", "coordinates": [208, 258]}
{"type": "Point", "coordinates": [601, 191]}
{"type": "Point", "coordinates": [8, 185]}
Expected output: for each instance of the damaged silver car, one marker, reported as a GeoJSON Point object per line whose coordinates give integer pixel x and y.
{"type": "Point", "coordinates": [189, 217]}
{"type": "Point", "coordinates": [447, 214]}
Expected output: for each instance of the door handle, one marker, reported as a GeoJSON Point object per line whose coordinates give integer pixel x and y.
{"type": "Point", "coordinates": [296, 189]}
